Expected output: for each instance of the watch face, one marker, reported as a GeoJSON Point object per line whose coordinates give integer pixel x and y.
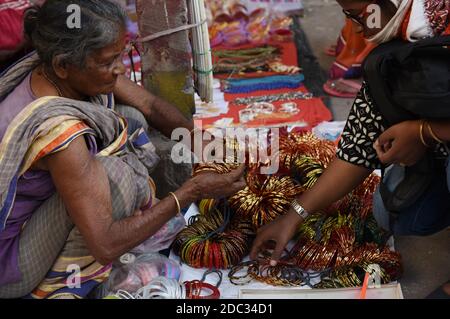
{"type": "Point", "coordinates": [297, 207]}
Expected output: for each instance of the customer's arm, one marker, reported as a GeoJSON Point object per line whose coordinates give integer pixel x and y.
{"type": "Point", "coordinates": [440, 128]}
{"type": "Point", "coordinates": [402, 143]}
{"type": "Point", "coordinates": [160, 114]}
{"type": "Point", "coordinates": [83, 184]}
{"type": "Point", "coordinates": [338, 179]}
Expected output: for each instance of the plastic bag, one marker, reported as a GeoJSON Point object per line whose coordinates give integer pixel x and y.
{"type": "Point", "coordinates": [163, 238]}
{"type": "Point", "coordinates": [134, 273]}
{"type": "Point", "coordinates": [329, 130]}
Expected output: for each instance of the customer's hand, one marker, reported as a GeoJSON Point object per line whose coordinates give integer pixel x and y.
{"type": "Point", "coordinates": [214, 185]}
{"type": "Point", "coordinates": [401, 144]}
{"type": "Point", "coordinates": [280, 231]}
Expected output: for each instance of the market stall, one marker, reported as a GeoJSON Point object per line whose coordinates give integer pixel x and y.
{"type": "Point", "coordinates": [258, 84]}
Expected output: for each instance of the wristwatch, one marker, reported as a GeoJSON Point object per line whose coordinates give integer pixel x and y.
{"type": "Point", "coordinates": [299, 209]}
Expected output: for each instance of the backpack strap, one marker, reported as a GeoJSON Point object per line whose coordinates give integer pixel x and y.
{"type": "Point", "coordinates": [376, 70]}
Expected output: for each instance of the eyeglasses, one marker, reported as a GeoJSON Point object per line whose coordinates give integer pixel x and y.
{"type": "Point", "coordinates": [119, 59]}
{"type": "Point", "coordinates": [358, 18]}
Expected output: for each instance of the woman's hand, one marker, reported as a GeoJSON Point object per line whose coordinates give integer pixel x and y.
{"type": "Point", "coordinates": [214, 185]}
{"type": "Point", "coordinates": [280, 231]}
{"type": "Point", "coordinates": [401, 144]}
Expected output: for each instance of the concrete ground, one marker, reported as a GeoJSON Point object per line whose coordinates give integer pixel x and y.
{"type": "Point", "coordinates": [426, 260]}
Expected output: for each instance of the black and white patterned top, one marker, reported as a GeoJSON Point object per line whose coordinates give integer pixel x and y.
{"type": "Point", "coordinates": [364, 125]}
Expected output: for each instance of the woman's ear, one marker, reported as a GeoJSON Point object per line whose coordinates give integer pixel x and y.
{"type": "Point", "coordinates": [60, 67]}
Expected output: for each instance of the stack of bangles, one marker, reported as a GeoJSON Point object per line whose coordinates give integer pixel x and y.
{"type": "Point", "coordinates": [195, 288]}
{"type": "Point", "coordinates": [210, 243]}
{"type": "Point", "coordinates": [283, 274]}
{"type": "Point", "coordinates": [427, 124]}
{"type": "Point", "coordinates": [263, 201]}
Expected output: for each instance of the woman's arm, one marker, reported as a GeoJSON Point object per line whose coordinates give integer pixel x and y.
{"type": "Point", "coordinates": [403, 144]}
{"type": "Point", "coordinates": [338, 180]}
{"type": "Point", "coordinates": [440, 128]}
{"type": "Point", "coordinates": [83, 184]}
{"type": "Point", "coordinates": [160, 114]}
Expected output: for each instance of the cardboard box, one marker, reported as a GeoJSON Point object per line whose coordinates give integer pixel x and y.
{"type": "Point", "coordinates": [390, 291]}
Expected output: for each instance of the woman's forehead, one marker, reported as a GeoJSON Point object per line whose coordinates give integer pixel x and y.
{"type": "Point", "coordinates": [112, 49]}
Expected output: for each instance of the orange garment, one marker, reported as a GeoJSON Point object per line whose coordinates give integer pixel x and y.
{"type": "Point", "coordinates": [447, 31]}
{"type": "Point", "coordinates": [353, 48]}
{"type": "Point", "coordinates": [405, 24]}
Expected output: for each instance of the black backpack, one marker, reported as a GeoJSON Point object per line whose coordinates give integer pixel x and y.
{"type": "Point", "coordinates": [410, 81]}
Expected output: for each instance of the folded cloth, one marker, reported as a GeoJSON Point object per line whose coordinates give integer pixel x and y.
{"type": "Point", "coordinates": [11, 23]}
{"type": "Point", "coordinates": [266, 83]}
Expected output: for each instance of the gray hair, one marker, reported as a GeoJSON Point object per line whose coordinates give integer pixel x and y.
{"type": "Point", "coordinates": [47, 27]}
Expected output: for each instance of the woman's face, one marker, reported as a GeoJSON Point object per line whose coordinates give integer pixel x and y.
{"type": "Point", "coordinates": [361, 11]}
{"type": "Point", "coordinates": [102, 68]}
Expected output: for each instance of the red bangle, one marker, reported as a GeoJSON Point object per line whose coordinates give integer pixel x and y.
{"type": "Point", "coordinates": [194, 289]}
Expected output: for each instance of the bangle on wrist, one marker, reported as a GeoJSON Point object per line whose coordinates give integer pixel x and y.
{"type": "Point", "coordinates": [176, 201]}
{"type": "Point", "coordinates": [433, 135]}
{"type": "Point", "coordinates": [422, 123]}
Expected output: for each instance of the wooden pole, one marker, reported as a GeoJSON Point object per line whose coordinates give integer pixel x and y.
{"type": "Point", "coordinates": [166, 61]}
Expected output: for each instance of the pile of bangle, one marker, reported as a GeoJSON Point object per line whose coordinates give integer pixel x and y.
{"type": "Point", "coordinates": [283, 274]}
{"type": "Point", "coordinates": [195, 288]}
{"type": "Point", "coordinates": [306, 170]}
{"type": "Point", "coordinates": [295, 146]}
{"type": "Point", "coordinates": [343, 241]}
{"type": "Point", "coordinates": [264, 198]}
{"type": "Point", "coordinates": [361, 199]}
{"type": "Point", "coordinates": [213, 242]}
{"type": "Point", "coordinates": [220, 168]}
{"type": "Point", "coordinates": [338, 245]}
{"type": "Point", "coordinates": [334, 270]}
{"type": "Point", "coordinates": [206, 205]}
{"type": "Point", "coordinates": [347, 276]}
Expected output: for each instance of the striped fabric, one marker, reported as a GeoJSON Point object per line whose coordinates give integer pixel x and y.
{"type": "Point", "coordinates": [11, 23]}
{"type": "Point", "coordinates": [15, 5]}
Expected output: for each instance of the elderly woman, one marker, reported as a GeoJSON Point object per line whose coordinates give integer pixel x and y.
{"type": "Point", "coordinates": [74, 187]}
{"type": "Point", "coordinates": [366, 143]}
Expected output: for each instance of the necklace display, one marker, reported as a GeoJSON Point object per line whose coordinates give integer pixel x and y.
{"type": "Point", "coordinates": [273, 98]}
{"type": "Point", "coordinates": [51, 82]}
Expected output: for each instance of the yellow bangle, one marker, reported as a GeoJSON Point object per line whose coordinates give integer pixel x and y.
{"type": "Point", "coordinates": [421, 134]}
{"type": "Point", "coordinates": [176, 201]}
{"type": "Point", "coordinates": [434, 136]}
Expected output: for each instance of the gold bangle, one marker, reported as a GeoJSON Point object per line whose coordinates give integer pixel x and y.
{"type": "Point", "coordinates": [176, 201]}
{"type": "Point", "coordinates": [434, 136]}
{"type": "Point", "coordinates": [421, 134]}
